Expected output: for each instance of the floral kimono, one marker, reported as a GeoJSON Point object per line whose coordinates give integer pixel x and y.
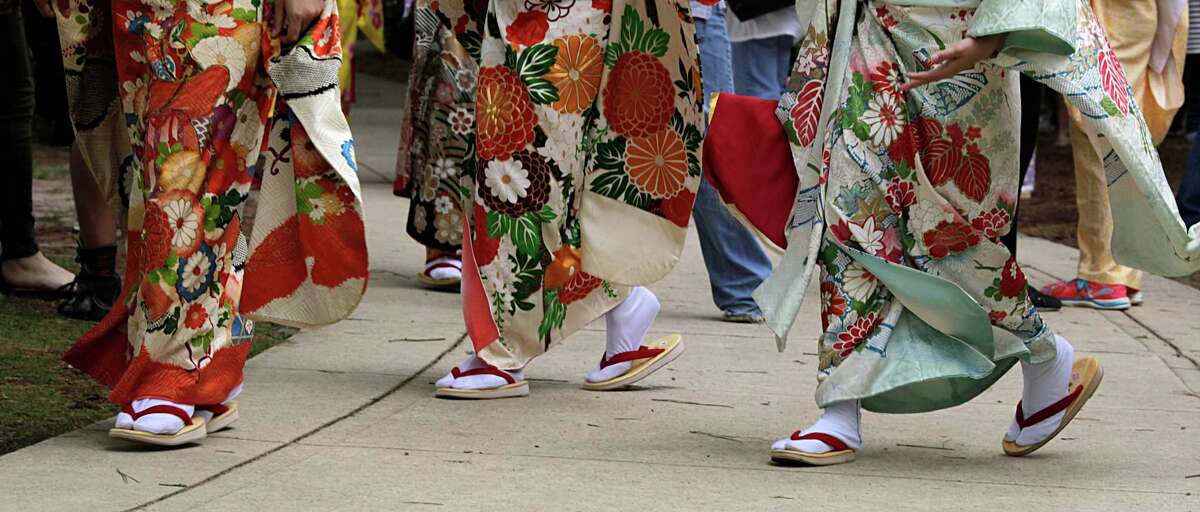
{"type": "Point", "coordinates": [436, 164]}
{"type": "Point", "coordinates": [355, 17]}
{"type": "Point", "coordinates": [587, 143]}
{"type": "Point", "coordinates": [207, 100]}
{"type": "Point", "coordinates": [901, 197]}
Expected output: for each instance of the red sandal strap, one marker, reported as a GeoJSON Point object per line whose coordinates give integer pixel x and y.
{"type": "Point", "coordinates": [487, 370]}
{"type": "Point", "coordinates": [642, 352]}
{"type": "Point", "coordinates": [158, 409]}
{"type": "Point", "coordinates": [1049, 411]}
{"type": "Point", "coordinates": [833, 442]}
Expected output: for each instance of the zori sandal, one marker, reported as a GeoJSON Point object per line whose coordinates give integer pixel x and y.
{"type": "Point", "coordinates": [222, 416]}
{"type": "Point", "coordinates": [513, 388]}
{"type": "Point", "coordinates": [839, 455]}
{"type": "Point", "coordinates": [445, 283]}
{"type": "Point", "coordinates": [1086, 375]}
{"type": "Point", "coordinates": [647, 359]}
{"type": "Point", "coordinates": [193, 428]}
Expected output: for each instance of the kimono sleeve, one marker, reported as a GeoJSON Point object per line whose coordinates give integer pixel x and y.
{"type": "Point", "coordinates": [1039, 25]}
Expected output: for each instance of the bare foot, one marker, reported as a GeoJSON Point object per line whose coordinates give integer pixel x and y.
{"type": "Point", "coordinates": [35, 273]}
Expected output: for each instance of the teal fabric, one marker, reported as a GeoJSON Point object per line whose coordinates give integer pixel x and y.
{"type": "Point", "coordinates": [942, 350]}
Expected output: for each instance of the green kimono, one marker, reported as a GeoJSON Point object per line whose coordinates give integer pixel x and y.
{"type": "Point", "coordinates": [903, 196]}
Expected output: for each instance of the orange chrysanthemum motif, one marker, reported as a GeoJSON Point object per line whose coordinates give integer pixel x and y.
{"type": "Point", "coordinates": [657, 164]}
{"type": "Point", "coordinates": [504, 117]}
{"type": "Point", "coordinates": [639, 98]}
{"type": "Point", "coordinates": [576, 72]}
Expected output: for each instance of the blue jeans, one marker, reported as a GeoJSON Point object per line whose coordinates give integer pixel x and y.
{"type": "Point", "coordinates": [735, 261]}
{"type": "Point", "coordinates": [1188, 198]}
{"type": "Point", "coordinates": [763, 66]}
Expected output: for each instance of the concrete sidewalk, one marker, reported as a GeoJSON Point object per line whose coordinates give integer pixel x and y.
{"type": "Point", "coordinates": [344, 418]}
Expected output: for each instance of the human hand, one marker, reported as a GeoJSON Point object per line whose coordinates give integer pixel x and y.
{"type": "Point", "coordinates": [43, 7]}
{"type": "Point", "coordinates": [958, 57]}
{"type": "Point", "coordinates": [294, 15]}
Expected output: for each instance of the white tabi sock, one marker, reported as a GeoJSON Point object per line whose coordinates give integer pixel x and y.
{"type": "Point", "coordinates": [627, 325]}
{"type": "Point", "coordinates": [841, 420]}
{"type": "Point", "coordinates": [1045, 384]}
{"type": "Point", "coordinates": [477, 381]}
{"type": "Point", "coordinates": [451, 271]}
{"type": "Point", "coordinates": [154, 423]}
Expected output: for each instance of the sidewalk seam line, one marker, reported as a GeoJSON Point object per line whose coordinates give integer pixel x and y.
{"type": "Point", "coordinates": [319, 428]}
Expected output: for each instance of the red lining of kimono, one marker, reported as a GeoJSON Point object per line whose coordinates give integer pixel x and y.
{"type": "Point", "coordinates": [756, 173]}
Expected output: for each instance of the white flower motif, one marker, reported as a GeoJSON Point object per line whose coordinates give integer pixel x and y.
{"type": "Point", "coordinates": [563, 133]}
{"type": "Point", "coordinates": [195, 271]}
{"type": "Point", "coordinates": [443, 204]}
{"type": "Point", "coordinates": [162, 9]}
{"type": "Point", "coordinates": [859, 283]}
{"type": "Point", "coordinates": [184, 221]}
{"type": "Point", "coordinates": [868, 236]}
{"type": "Point", "coordinates": [222, 51]}
{"type": "Point", "coordinates": [200, 14]}
{"type": "Point", "coordinates": [883, 119]}
{"type": "Point", "coordinates": [154, 29]}
{"type": "Point", "coordinates": [507, 179]}
{"type": "Point", "coordinates": [248, 132]}
{"type": "Point", "coordinates": [444, 168]}
{"type": "Point", "coordinates": [461, 121]}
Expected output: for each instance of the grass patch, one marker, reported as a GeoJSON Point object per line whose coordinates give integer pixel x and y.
{"type": "Point", "coordinates": [40, 396]}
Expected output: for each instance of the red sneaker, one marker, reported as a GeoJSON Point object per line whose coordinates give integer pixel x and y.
{"type": "Point", "coordinates": [1079, 292]}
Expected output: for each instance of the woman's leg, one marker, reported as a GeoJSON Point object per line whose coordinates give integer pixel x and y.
{"type": "Point", "coordinates": [97, 285]}
{"type": "Point", "coordinates": [22, 265]}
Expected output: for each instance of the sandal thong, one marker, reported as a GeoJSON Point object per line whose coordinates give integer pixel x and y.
{"type": "Point", "coordinates": [839, 455]}
{"type": "Point", "coordinates": [1086, 375]}
{"type": "Point", "coordinates": [647, 359]}
{"type": "Point", "coordinates": [193, 428]}
{"type": "Point", "coordinates": [513, 388]}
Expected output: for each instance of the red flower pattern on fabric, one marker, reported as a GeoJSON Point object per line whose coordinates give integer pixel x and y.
{"type": "Point", "coordinates": [991, 223]}
{"type": "Point", "coordinates": [528, 29]}
{"type": "Point", "coordinates": [1012, 279]}
{"type": "Point", "coordinates": [901, 194]}
{"type": "Point", "coordinates": [855, 335]}
{"type": "Point", "coordinates": [639, 97]}
{"type": "Point", "coordinates": [579, 286]}
{"type": "Point", "coordinates": [950, 237]}
{"type": "Point", "coordinates": [196, 316]}
{"type": "Point", "coordinates": [833, 303]}
{"type": "Point", "coordinates": [504, 115]}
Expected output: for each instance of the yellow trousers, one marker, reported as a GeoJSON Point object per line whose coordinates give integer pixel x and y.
{"type": "Point", "coordinates": [1131, 27]}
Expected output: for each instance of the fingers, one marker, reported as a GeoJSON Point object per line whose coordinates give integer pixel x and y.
{"type": "Point", "coordinates": [43, 7]}
{"type": "Point", "coordinates": [919, 78]}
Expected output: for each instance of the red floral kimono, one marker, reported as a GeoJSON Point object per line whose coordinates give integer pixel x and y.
{"type": "Point", "coordinates": [207, 99]}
